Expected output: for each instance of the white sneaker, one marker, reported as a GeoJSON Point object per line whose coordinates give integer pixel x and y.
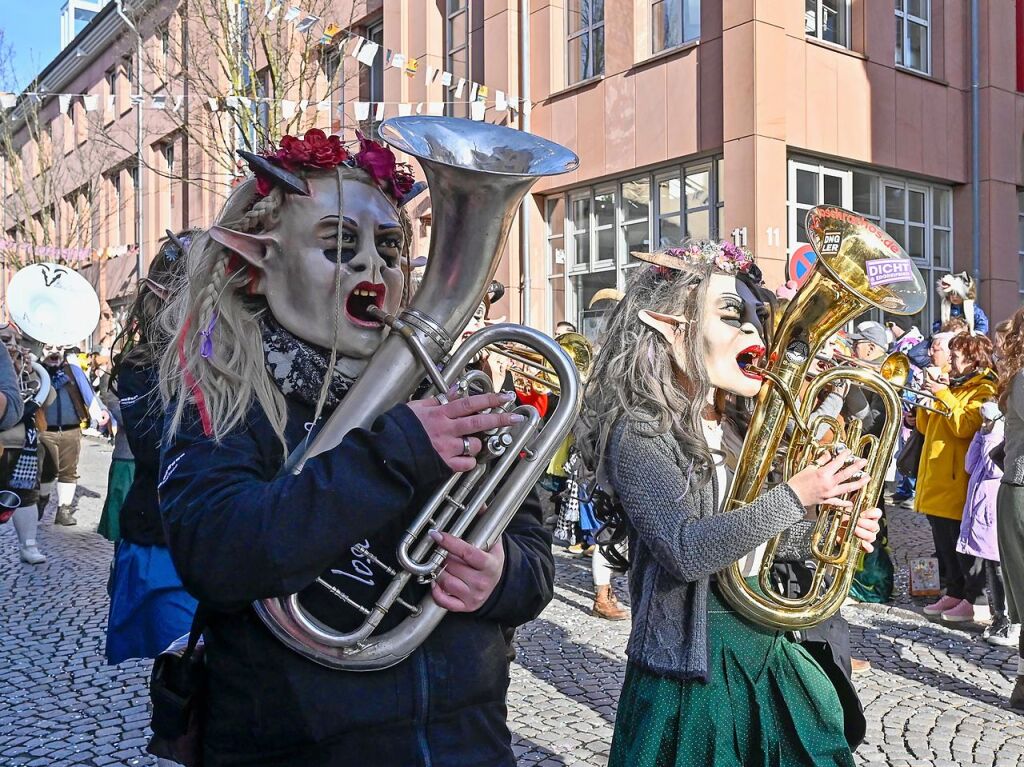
{"type": "Point", "coordinates": [1002, 634]}
{"type": "Point", "coordinates": [31, 555]}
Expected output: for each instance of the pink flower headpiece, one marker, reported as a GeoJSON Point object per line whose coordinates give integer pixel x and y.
{"type": "Point", "coordinates": [723, 257]}
{"type": "Point", "coordinates": [317, 151]}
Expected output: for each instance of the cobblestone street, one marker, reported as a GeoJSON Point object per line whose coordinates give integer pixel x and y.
{"type": "Point", "coordinates": [936, 696]}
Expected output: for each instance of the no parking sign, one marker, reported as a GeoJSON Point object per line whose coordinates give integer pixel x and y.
{"type": "Point", "coordinates": [800, 263]}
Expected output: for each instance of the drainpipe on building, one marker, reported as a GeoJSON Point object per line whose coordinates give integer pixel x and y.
{"type": "Point", "coordinates": [524, 125]}
{"type": "Point", "coordinates": [975, 149]}
{"type": "Point", "coordinates": [139, 256]}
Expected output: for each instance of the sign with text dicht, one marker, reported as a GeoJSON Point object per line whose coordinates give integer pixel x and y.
{"type": "Point", "coordinates": [800, 263]}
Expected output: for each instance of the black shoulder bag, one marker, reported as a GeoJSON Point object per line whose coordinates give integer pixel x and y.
{"type": "Point", "coordinates": [177, 689]}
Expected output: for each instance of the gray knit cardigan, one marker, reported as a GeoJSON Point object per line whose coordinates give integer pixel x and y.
{"type": "Point", "coordinates": [678, 540]}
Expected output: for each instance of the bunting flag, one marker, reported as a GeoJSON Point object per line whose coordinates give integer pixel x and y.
{"type": "Point", "coordinates": [366, 52]}
{"type": "Point", "coordinates": [75, 256]}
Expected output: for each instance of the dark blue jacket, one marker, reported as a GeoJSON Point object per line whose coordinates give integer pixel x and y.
{"type": "Point", "coordinates": [957, 310]}
{"type": "Point", "coordinates": [238, 533]}
{"type": "Point", "coordinates": [142, 417]}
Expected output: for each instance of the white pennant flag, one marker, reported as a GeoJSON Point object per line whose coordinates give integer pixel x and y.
{"type": "Point", "coordinates": [303, 105]}
{"type": "Point", "coordinates": [360, 41]}
{"type": "Point", "coordinates": [398, 61]}
{"type": "Point", "coordinates": [419, 107]}
{"type": "Point", "coordinates": [178, 102]}
{"type": "Point", "coordinates": [431, 73]}
{"type": "Point", "coordinates": [8, 100]}
{"type": "Point", "coordinates": [231, 102]}
{"type": "Point", "coordinates": [477, 109]}
{"type": "Point", "coordinates": [404, 110]}
{"type": "Point", "coordinates": [446, 79]}
{"type": "Point", "coordinates": [472, 91]}
{"type": "Point", "coordinates": [92, 103]}
{"type": "Point", "coordinates": [362, 110]}
{"type": "Point", "coordinates": [160, 102]}
{"type": "Point", "coordinates": [307, 22]}
{"type": "Point", "coordinates": [379, 114]}
{"type": "Point", "coordinates": [324, 106]}
{"type": "Point", "coordinates": [248, 104]}
{"type": "Point", "coordinates": [292, 13]}
{"type": "Point", "coordinates": [459, 87]}
{"type": "Point", "coordinates": [214, 104]}
{"type": "Point", "coordinates": [271, 7]}
{"type": "Point", "coordinates": [500, 104]}
{"type": "Point", "coordinates": [64, 100]}
{"type": "Point", "coordinates": [368, 53]}
{"type": "Point", "coordinates": [111, 100]}
{"type": "Point", "coordinates": [435, 108]}
{"type": "Point", "coordinates": [137, 99]}
{"type": "Point", "coordinates": [287, 109]}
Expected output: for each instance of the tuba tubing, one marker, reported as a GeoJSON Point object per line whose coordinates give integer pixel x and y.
{"type": "Point", "coordinates": [859, 267]}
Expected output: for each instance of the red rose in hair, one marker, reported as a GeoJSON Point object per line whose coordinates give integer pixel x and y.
{"type": "Point", "coordinates": [293, 153]}
{"type": "Point", "coordinates": [402, 181]}
{"type": "Point", "coordinates": [377, 160]}
{"type": "Point", "coordinates": [324, 151]}
{"type": "Point", "coordinates": [264, 185]}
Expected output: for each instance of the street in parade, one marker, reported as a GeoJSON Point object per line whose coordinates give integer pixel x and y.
{"type": "Point", "coordinates": [634, 383]}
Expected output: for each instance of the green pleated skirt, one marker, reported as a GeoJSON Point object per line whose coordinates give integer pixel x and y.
{"type": "Point", "coordinates": [766, 702]}
{"type": "Point", "coordinates": [119, 482]}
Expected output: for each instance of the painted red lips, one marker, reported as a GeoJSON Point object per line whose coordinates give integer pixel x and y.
{"type": "Point", "coordinates": [363, 296]}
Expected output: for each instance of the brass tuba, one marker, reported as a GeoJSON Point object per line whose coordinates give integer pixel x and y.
{"type": "Point", "coordinates": [859, 267]}
{"type": "Point", "coordinates": [478, 174]}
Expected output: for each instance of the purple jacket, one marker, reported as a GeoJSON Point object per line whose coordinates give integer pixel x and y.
{"type": "Point", "coordinates": [978, 528]}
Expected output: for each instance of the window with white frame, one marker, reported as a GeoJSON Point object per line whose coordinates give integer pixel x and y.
{"type": "Point", "coordinates": [456, 56]}
{"type": "Point", "coordinates": [592, 231]}
{"type": "Point", "coordinates": [171, 171]}
{"type": "Point", "coordinates": [1020, 240]}
{"type": "Point", "coordinates": [585, 50]}
{"type": "Point", "coordinates": [913, 35]}
{"type": "Point", "coordinates": [828, 20]}
{"type": "Point", "coordinates": [918, 215]}
{"type": "Point", "coordinates": [674, 22]}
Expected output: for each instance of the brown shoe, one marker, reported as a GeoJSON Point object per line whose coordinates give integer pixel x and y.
{"type": "Point", "coordinates": [859, 666]}
{"type": "Point", "coordinates": [1017, 696]}
{"type": "Point", "coordinates": [65, 516]}
{"type": "Point", "coordinates": [606, 606]}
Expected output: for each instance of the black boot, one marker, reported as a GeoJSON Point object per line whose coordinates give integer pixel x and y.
{"type": "Point", "coordinates": [41, 503]}
{"type": "Point", "coordinates": [65, 516]}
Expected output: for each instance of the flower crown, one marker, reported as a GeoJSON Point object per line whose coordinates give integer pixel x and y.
{"type": "Point", "coordinates": [723, 257]}
{"type": "Point", "coordinates": [318, 151]}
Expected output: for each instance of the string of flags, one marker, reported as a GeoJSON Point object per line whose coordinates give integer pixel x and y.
{"type": "Point", "coordinates": [476, 97]}
{"type": "Point", "coordinates": [67, 255]}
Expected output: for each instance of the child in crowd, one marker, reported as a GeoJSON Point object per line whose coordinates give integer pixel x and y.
{"type": "Point", "coordinates": [978, 528]}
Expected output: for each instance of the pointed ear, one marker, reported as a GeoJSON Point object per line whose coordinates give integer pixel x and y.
{"type": "Point", "coordinates": [161, 291]}
{"type": "Point", "coordinates": [665, 324]}
{"type": "Point", "coordinates": [254, 248]}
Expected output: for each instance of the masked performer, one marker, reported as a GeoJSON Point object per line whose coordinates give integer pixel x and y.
{"type": "Point", "coordinates": [703, 685]}
{"type": "Point", "coordinates": [75, 404]}
{"type": "Point", "coordinates": [272, 329]}
{"type": "Point", "coordinates": [149, 607]}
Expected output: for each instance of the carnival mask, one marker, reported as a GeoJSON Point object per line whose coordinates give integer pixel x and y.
{"type": "Point", "coordinates": [296, 259]}
{"type": "Point", "coordinates": [732, 330]}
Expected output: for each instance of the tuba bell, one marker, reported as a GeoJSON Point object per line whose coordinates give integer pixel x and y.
{"type": "Point", "coordinates": [478, 174]}
{"type": "Point", "coordinates": [859, 267]}
{"type": "Point", "coordinates": [52, 304]}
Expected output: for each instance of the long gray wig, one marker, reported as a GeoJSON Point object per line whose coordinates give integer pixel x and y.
{"type": "Point", "coordinates": [635, 375]}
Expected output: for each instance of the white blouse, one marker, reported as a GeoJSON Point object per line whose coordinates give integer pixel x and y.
{"type": "Point", "coordinates": [750, 564]}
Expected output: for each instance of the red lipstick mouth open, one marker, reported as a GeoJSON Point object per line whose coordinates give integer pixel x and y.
{"type": "Point", "coordinates": [750, 358]}
{"type": "Point", "coordinates": [363, 296]}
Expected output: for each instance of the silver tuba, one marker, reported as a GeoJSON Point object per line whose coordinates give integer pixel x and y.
{"type": "Point", "coordinates": [478, 174]}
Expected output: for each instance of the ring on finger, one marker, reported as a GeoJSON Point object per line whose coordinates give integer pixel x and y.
{"type": "Point", "coordinates": [441, 399]}
{"type": "Point", "coordinates": [466, 447]}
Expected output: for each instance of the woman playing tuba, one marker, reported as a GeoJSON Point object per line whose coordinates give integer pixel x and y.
{"type": "Point", "coordinates": [703, 685]}
{"type": "Point", "coordinates": [272, 329]}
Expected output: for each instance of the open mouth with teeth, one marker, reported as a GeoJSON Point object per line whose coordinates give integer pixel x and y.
{"type": "Point", "coordinates": [750, 358]}
{"type": "Point", "coordinates": [363, 296]}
